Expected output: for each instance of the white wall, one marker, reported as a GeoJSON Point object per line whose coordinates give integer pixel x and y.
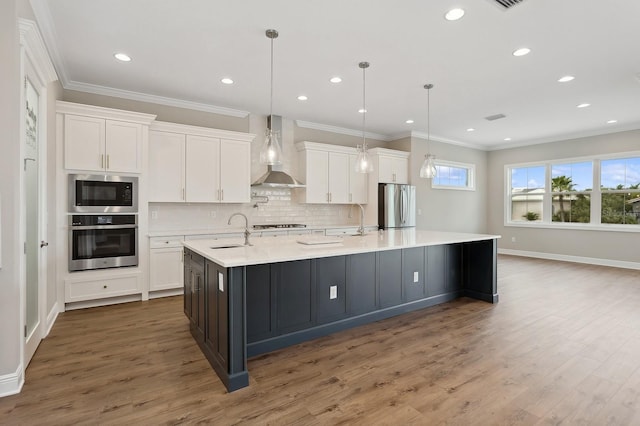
{"type": "Point", "coordinates": [614, 246]}
{"type": "Point", "coordinates": [9, 192]}
{"type": "Point", "coordinates": [446, 209]}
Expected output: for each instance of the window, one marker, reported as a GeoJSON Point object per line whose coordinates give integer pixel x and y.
{"type": "Point", "coordinates": [450, 175]}
{"type": "Point", "coordinates": [527, 193]}
{"type": "Point", "coordinates": [593, 192]}
{"type": "Point", "coordinates": [620, 188]}
{"type": "Point", "coordinates": [571, 184]}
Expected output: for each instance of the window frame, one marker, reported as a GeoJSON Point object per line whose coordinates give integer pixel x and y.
{"type": "Point", "coordinates": [471, 174]}
{"type": "Point", "coordinates": [596, 196]}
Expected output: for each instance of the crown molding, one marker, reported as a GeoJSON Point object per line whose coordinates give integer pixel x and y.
{"type": "Point", "coordinates": [34, 46]}
{"type": "Point", "coordinates": [422, 135]}
{"type": "Point", "coordinates": [163, 126]}
{"type": "Point", "coordinates": [45, 23]}
{"type": "Point", "coordinates": [341, 130]}
{"type": "Point", "coordinates": [63, 107]}
{"type": "Point", "coordinates": [154, 99]}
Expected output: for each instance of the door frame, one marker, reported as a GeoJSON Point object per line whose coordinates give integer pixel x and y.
{"type": "Point", "coordinates": [36, 66]}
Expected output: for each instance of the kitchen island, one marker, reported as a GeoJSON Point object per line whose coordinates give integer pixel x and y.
{"type": "Point", "coordinates": [247, 300]}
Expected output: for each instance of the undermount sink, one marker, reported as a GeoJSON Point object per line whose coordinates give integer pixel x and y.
{"type": "Point", "coordinates": [227, 246]}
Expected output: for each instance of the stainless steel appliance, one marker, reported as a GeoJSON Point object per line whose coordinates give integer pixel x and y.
{"type": "Point", "coordinates": [103, 194]}
{"type": "Point", "coordinates": [103, 241]}
{"type": "Point", "coordinates": [396, 206]}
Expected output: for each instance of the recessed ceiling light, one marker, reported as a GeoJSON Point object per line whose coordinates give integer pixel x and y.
{"type": "Point", "coordinates": [454, 14]}
{"type": "Point", "coordinates": [226, 80]}
{"type": "Point", "coordinates": [122, 57]}
{"type": "Point", "coordinates": [471, 129]}
{"type": "Point", "coordinates": [612, 121]}
{"type": "Point", "coordinates": [335, 79]}
{"type": "Point", "coordinates": [362, 110]}
{"type": "Point", "coordinates": [409, 121]}
{"type": "Point", "coordinates": [507, 139]}
{"type": "Point", "coordinates": [584, 105]}
{"type": "Point", "coordinates": [522, 51]}
{"type": "Point", "coordinates": [302, 98]}
{"type": "Point", "coordinates": [565, 78]}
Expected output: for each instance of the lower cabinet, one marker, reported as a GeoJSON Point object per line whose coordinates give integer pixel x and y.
{"type": "Point", "coordinates": [390, 275]}
{"type": "Point", "coordinates": [194, 303]}
{"type": "Point", "coordinates": [331, 284]}
{"type": "Point", "coordinates": [362, 283]}
{"type": "Point", "coordinates": [100, 286]}
{"type": "Point", "coordinates": [294, 297]}
{"type": "Point", "coordinates": [413, 275]}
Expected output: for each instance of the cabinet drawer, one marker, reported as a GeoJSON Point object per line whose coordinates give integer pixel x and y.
{"type": "Point", "coordinates": [100, 288]}
{"type": "Point", "coordinates": [163, 242]}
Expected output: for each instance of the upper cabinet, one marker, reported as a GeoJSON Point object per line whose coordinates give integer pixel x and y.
{"type": "Point", "coordinates": [393, 166]}
{"type": "Point", "coordinates": [195, 164]}
{"type": "Point", "coordinates": [328, 172]}
{"type": "Point", "coordinates": [103, 139]}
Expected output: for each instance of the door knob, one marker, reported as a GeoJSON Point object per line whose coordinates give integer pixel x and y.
{"type": "Point", "coordinates": [43, 244]}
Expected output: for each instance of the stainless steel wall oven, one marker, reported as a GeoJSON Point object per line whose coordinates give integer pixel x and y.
{"type": "Point", "coordinates": [102, 241]}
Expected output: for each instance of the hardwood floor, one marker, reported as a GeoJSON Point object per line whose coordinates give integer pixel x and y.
{"type": "Point", "coordinates": [561, 347]}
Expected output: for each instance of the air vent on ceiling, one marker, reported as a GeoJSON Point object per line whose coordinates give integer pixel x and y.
{"type": "Point", "coordinates": [508, 3]}
{"type": "Point", "coordinates": [495, 117]}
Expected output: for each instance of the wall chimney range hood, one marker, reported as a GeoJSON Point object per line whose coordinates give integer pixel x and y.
{"type": "Point", "coordinates": [275, 177]}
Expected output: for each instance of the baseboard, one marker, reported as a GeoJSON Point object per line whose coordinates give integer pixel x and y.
{"type": "Point", "coordinates": [51, 319]}
{"type": "Point", "coordinates": [11, 384]}
{"type": "Point", "coordinates": [577, 259]}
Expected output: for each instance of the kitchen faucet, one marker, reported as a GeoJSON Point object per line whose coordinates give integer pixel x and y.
{"type": "Point", "coordinates": [361, 227]}
{"type": "Point", "coordinates": [246, 227]}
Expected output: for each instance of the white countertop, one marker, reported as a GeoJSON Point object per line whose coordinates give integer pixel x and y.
{"type": "Point", "coordinates": [239, 229]}
{"type": "Point", "coordinates": [287, 248]}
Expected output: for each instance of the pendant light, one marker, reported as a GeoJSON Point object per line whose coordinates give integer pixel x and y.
{"type": "Point", "coordinates": [428, 169]}
{"type": "Point", "coordinates": [363, 159]}
{"type": "Point", "coordinates": [271, 152]}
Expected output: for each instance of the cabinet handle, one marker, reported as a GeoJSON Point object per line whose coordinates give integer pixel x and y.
{"type": "Point", "coordinates": [350, 197]}
{"type": "Point", "coordinates": [327, 197]}
{"type": "Point", "coordinates": [183, 194]}
{"type": "Point", "coordinates": [102, 161]}
{"type": "Point", "coordinates": [107, 161]}
{"type": "Point", "coordinates": [222, 195]}
{"type": "Point", "coordinates": [104, 286]}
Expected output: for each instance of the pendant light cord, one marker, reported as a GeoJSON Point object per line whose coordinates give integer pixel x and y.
{"type": "Point", "coordinates": [271, 94]}
{"type": "Point", "coordinates": [364, 109]}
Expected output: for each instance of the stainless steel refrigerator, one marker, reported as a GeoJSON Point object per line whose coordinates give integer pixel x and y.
{"type": "Point", "coordinates": [396, 205]}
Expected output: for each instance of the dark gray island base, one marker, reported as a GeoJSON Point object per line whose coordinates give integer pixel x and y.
{"type": "Point", "coordinates": [241, 311]}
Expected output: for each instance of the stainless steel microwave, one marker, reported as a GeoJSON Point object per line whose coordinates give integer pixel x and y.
{"type": "Point", "coordinates": [103, 194]}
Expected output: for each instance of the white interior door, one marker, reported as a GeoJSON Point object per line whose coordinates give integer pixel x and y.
{"type": "Point", "coordinates": [33, 213]}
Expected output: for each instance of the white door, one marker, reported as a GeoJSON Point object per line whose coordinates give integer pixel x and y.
{"type": "Point", "coordinates": [357, 183]}
{"type": "Point", "coordinates": [123, 146]}
{"type": "Point", "coordinates": [166, 167]}
{"type": "Point", "coordinates": [235, 171]}
{"type": "Point", "coordinates": [202, 169]}
{"type": "Point", "coordinates": [339, 177]}
{"type": "Point", "coordinates": [34, 197]}
{"type": "Point", "coordinates": [317, 188]}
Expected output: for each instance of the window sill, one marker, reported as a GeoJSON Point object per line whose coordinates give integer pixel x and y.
{"type": "Point", "coordinates": [575, 226]}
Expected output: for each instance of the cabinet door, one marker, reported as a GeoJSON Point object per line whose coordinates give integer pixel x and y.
{"type": "Point", "coordinates": [317, 185]}
{"type": "Point", "coordinates": [361, 283]}
{"type": "Point", "coordinates": [454, 267]}
{"type": "Point", "coordinates": [385, 172]}
{"type": "Point", "coordinates": [357, 183]}
{"type": "Point", "coordinates": [188, 284]}
{"type": "Point", "coordinates": [260, 300]}
{"type": "Point", "coordinates": [165, 268]}
{"type": "Point", "coordinates": [338, 175]}
{"type": "Point", "coordinates": [294, 298]}
{"type": "Point", "coordinates": [390, 273]}
{"type": "Point", "coordinates": [123, 147]}
{"type": "Point", "coordinates": [331, 276]}
{"type": "Point", "coordinates": [436, 276]}
{"type": "Point", "coordinates": [413, 274]}
{"type": "Point", "coordinates": [235, 171]}
{"type": "Point", "coordinates": [197, 297]}
{"type": "Point", "coordinates": [401, 170]}
{"type": "Point", "coordinates": [84, 143]}
{"type": "Point", "coordinates": [202, 169]}
{"type": "Point", "coordinates": [166, 167]}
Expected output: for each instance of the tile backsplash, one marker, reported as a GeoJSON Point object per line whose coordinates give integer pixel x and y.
{"type": "Point", "coordinates": [282, 207]}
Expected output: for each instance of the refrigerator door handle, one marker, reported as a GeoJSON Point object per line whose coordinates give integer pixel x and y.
{"type": "Point", "coordinates": [402, 210]}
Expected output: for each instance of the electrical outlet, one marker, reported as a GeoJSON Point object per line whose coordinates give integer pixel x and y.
{"type": "Point", "coordinates": [333, 292]}
{"type": "Point", "coordinates": [416, 277]}
{"type": "Point", "coordinates": [513, 239]}
{"type": "Point", "coordinates": [154, 214]}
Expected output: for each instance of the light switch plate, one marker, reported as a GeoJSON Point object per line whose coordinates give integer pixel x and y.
{"type": "Point", "coordinates": [333, 292]}
{"type": "Point", "coordinates": [415, 277]}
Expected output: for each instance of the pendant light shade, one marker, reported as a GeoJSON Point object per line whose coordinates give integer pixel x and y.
{"type": "Point", "coordinates": [271, 151]}
{"type": "Point", "coordinates": [363, 159]}
{"type": "Point", "coordinates": [428, 169]}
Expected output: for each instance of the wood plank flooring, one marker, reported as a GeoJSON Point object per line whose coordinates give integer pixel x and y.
{"type": "Point", "coordinates": [561, 347]}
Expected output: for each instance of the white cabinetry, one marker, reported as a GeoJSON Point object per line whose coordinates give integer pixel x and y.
{"type": "Point", "coordinates": [195, 164]}
{"type": "Point", "coordinates": [102, 139]}
{"type": "Point", "coordinates": [393, 169]}
{"type": "Point", "coordinates": [329, 176]}
{"type": "Point", "coordinates": [165, 263]}
{"type": "Point", "coordinates": [102, 286]}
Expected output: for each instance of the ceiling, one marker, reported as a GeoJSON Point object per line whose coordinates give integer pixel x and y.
{"type": "Point", "coordinates": [181, 49]}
